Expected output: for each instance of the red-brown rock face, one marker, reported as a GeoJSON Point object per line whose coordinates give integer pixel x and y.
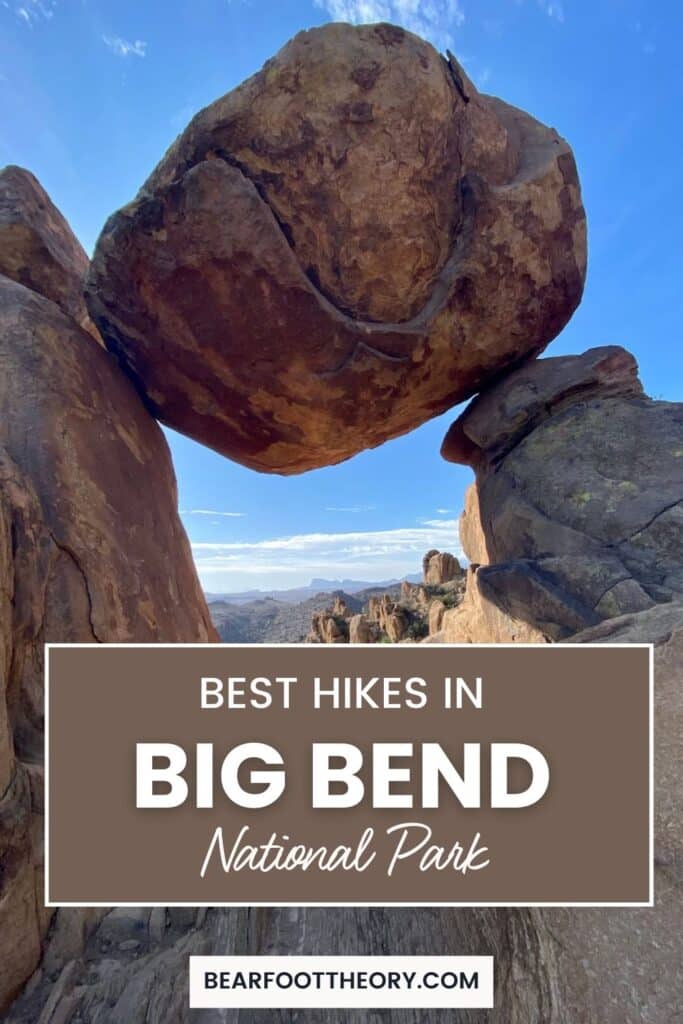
{"type": "Point", "coordinates": [91, 549]}
{"type": "Point", "coordinates": [37, 247]}
{"type": "Point", "coordinates": [346, 245]}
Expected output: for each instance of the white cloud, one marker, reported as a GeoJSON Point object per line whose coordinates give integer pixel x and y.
{"type": "Point", "coordinates": [435, 20]}
{"type": "Point", "coordinates": [32, 11]}
{"type": "Point", "coordinates": [444, 511]}
{"type": "Point", "coordinates": [210, 512]}
{"type": "Point", "coordinates": [553, 8]}
{"type": "Point", "coordinates": [124, 48]}
{"type": "Point", "coordinates": [292, 561]}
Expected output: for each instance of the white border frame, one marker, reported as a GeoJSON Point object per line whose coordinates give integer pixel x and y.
{"type": "Point", "coordinates": [349, 904]}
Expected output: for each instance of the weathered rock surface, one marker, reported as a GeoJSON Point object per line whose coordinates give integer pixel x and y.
{"type": "Point", "coordinates": [331, 625]}
{"type": "Point", "coordinates": [481, 619]}
{"type": "Point", "coordinates": [91, 549]}
{"type": "Point", "coordinates": [38, 248]}
{"type": "Point", "coordinates": [579, 492]}
{"type": "Point", "coordinates": [577, 510]}
{"type": "Point", "coordinates": [362, 630]}
{"type": "Point", "coordinates": [472, 536]}
{"type": "Point", "coordinates": [346, 245]}
{"type": "Point", "coordinates": [440, 567]}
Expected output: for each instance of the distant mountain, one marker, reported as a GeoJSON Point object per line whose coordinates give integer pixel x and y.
{"type": "Point", "coordinates": [296, 595]}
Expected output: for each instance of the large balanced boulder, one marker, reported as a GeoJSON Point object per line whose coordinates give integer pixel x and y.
{"type": "Point", "coordinates": [344, 246]}
{"type": "Point", "coordinates": [91, 545]}
{"type": "Point", "coordinates": [579, 492]}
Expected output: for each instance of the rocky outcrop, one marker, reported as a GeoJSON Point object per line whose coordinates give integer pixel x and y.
{"type": "Point", "coordinates": [38, 248]}
{"type": "Point", "coordinates": [472, 536]}
{"type": "Point", "coordinates": [362, 630]}
{"type": "Point", "coordinates": [575, 522]}
{"type": "Point", "coordinates": [440, 567]}
{"type": "Point", "coordinates": [435, 616]}
{"type": "Point", "coordinates": [410, 614]}
{"type": "Point", "coordinates": [580, 522]}
{"type": "Point", "coordinates": [354, 228]}
{"type": "Point", "coordinates": [331, 625]}
{"type": "Point", "coordinates": [91, 546]}
{"type": "Point", "coordinates": [480, 619]}
{"type": "Point", "coordinates": [610, 966]}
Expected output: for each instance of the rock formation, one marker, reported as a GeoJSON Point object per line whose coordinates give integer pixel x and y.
{"type": "Point", "coordinates": [576, 521]}
{"type": "Point", "coordinates": [407, 615]}
{"type": "Point", "coordinates": [346, 245]}
{"type": "Point", "coordinates": [331, 625]}
{"type": "Point", "coordinates": [362, 630]}
{"type": "Point", "coordinates": [482, 618]}
{"type": "Point", "coordinates": [91, 546]}
{"type": "Point", "coordinates": [440, 567]}
{"type": "Point", "coordinates": [349, 243]}
{"type": "Point", "coordinates": [38, 248]}
{"type": "Point", "coordinates": [581, 522]}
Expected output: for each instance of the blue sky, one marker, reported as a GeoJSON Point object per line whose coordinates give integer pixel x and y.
{"type": "Point", "coordinates": [92, 92]}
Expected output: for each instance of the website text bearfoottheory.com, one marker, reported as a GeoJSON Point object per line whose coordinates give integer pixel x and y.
{"type": "Point", "coordinates": [341, 981]}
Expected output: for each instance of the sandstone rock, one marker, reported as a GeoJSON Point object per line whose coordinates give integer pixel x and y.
{"type": "Point", "coordinates": [396, 625]}
{"type": "Point", "coordinates": [472, 534]}
{"type": "Point", "coordinates": [91, 549]}
{"type": "Point", "coordinates": [440, 567]}
{"type": "Point", "coordinates": [479, 619]}
{"type": "Point", "coordinates": [38, 248]}
{"type": "Point", "coordinates": [331, 626]}
{"type": "Point", "coordinates": [355, 227]}
{"type": "Point", "coordinates": [435, 619]}
{"type": "Point", "coordinates": [340, 608]}
{"type": "Point", "coordinates": [380, 608]}
{"type": "Point", "coordinates": [578, 520]}
{"type": "Point", "coordinates": [362, 631]}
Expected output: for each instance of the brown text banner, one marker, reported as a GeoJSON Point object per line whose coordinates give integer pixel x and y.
{"type": "Point", "coordinates": [379, 774]}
